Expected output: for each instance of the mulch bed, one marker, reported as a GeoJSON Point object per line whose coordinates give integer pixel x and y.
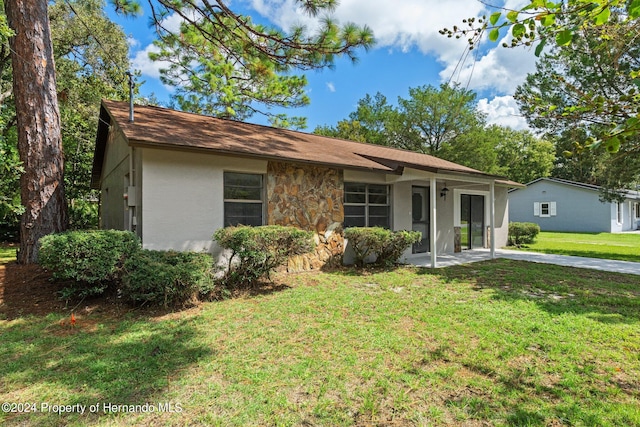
{"type": "Point", "coordinates": [27, 290]}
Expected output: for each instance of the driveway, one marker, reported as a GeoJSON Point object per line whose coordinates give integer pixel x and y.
{"type": "Point", "coordinates": [465, 257]}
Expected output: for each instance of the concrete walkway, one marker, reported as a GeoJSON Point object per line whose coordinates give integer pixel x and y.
{"type": "Point", "coordinates": [465, 257]}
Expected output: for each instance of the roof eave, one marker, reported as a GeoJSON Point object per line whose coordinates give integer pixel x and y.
{"type": "Point", "coordinates": [150, 144]}
{"type": "Point", "coordinates": [104, 123]}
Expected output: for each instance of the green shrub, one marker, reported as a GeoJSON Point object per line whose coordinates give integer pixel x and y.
{"type": "Point", "coordinates": [83, 215]}
{"type": "Point", "coordinates": [167, 278]}
{"type": "Point", "coordinates": [393, 249]}
{"type": "Point", "coordinates": [256, 251]}
{"type": "Point", "coordinates": [366, 241]}
{"type": "Point", "coordinates": [90, 260]}
{"type": "Point", "coordinates": [384, 245]}
{"type": "Point", "coordinates": [522, 233]}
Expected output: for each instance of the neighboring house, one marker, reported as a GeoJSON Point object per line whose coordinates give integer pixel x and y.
{"type": "Point", "coordinates": [174, 178]}
{"type": "Point", "coordinates": [562, 205]}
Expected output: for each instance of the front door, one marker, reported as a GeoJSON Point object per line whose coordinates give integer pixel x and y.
{"type": "Point", "coordinates": [471, 221]}
{"type": "Point", "coordinates": [420, 215]}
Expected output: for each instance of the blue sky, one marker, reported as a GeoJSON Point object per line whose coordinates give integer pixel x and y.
{"type": "Point", "coordinates": [409, 53]}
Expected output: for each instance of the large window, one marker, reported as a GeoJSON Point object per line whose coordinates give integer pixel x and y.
{"type": "Point", "coordinates": [243, 199]}
{"type": "Point", "coordinates": [366, 205]}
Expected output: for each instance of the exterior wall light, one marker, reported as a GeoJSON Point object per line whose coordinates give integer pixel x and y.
{"type": "Point", "coordinates": [443, 192]}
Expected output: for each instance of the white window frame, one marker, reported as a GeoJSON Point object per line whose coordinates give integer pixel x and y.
{"type": "Point", "coordinates": [458, 192]}
{"type": "Point", "coordinates": [636, 209]}
{"type": "Point", "coordinates": [550, 208]}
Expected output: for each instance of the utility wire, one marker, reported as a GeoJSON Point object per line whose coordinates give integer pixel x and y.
{"type": "Point", "coordinates": [106, 52]}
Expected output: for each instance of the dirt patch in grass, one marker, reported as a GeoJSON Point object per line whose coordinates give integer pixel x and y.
{"type": "Point", "coordinates": [27, 290]}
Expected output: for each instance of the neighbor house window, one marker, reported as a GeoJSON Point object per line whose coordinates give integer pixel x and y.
{"type": "Point", "coordinates": [366, 205]}
{"type": "Point", "coordinates": [544, 209]}
{"type": "Point", "coordinates": [243, 199]}
{"type": "Point", "coordinates": [636, 209]}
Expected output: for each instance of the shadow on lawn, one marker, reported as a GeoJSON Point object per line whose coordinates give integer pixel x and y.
{"type": "Point", "coordinates": [124, 362]}
{"type": "Point", "coordinates": [603, 296]}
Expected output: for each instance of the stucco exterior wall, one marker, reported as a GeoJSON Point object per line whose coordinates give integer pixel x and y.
{"type": "Point", "coordinates": [112, 184]}
{"type": "Point", "coordinates": [182, 201]}
{"type": "Point", "coordinates": [502, 216]}
{"type": "Point", "coordinates": [577, 209]}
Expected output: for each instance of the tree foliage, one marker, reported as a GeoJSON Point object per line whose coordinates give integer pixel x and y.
{"type": "Point", "coordinates": [91, 54]}
{"type": "Point", "coordinates": [566, 24]}
{"type": "Point", "coordinates": [577, 92]}
{"type": "Point", "coordinates": [523, 156]}
{"type": "Point", "coordinates": [224, 64]}
{"type": "Point", "coordinates": [254, 49]}
{"type": "Point", "coordinates": [434, 118]}
{"type": "Point", "coordinates": [91, 57]}
{"type": "Point", "coordinates": [444, 122]}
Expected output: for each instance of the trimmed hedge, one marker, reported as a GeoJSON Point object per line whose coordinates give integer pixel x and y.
{"type": "Point", "coordinates": [385, 245]}
{"type": "Point", "coordinates": [167, 278]}
{"type": "Point", "coordinates": [522, 233]}
{"type": "Point", "coordinates": [257, 251]}
{"type": "Point", "coordinates": [91, 260]}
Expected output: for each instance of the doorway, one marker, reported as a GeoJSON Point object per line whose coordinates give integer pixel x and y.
{"type": "Point", "coordinates": [420, 217]}
{"type": "Point", "coordinates": [471, 221]}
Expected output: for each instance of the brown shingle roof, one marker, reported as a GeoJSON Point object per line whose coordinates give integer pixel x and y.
{"type": "Point", "coordinates": [166, 128]}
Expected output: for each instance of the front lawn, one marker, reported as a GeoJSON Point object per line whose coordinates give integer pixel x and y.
{"type": "Point", "coordinates": [620, 246]}
{"type": "Point", "coordinates": [7, 252]}
{"type": "Point", "coordinates": [495, 343]}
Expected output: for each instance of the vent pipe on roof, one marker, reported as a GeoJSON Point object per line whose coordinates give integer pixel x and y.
{"type": "Point", "coordinates": [130, 96]}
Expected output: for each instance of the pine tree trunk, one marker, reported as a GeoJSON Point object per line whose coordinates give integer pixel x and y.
{"type": "Point", "coordinates": [38, 119]}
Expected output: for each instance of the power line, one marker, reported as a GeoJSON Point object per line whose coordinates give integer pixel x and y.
{"type": "Point", "coordinates": [104, 50]}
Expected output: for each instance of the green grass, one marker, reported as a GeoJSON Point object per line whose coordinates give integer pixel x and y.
{"type": "Point", "coordinates": [619, 246]}
{"type": "Point", "coordinates": [7, 253]}
{"type": "Point", "coordinates": [494, 343]}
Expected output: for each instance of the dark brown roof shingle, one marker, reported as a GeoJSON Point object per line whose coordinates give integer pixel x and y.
{"type": "Point", "coordinates": [166, 128]}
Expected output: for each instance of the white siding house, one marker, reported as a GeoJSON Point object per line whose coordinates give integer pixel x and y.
{"type": "Point", "coordinates": [174, 178]}
{"type": "Point", "coordinates": [562, 205]}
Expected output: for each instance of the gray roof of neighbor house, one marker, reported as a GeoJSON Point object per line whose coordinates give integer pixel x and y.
{"type": "Point", "coordinates": [630, 194]}
{"type": "Point", "coordinates": [157, 127]}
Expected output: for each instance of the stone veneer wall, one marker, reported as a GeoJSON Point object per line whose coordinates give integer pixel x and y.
{"type": "Point", "coordinates": [310, 198]}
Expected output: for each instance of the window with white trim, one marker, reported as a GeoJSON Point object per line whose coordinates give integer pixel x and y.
{"type": "Point", "coordinates": [243, 199]}
{"type": "Point", "coordinates": [366, 205]}
{"type": "Point", "coordinates": [636, 209]}
{"type": "Point", "coordinates": [544, 209]}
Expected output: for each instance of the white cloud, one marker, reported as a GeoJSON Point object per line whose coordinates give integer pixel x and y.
{"type": "Point", "coordinates": [503, 111]}
{"type": "Point", "coordinates": [331, 87]}
{"type": "Point", "coordinates": [402, 24]}
{"type": "Point", "coordinates": [145, 65]}
{"type": "Point", "coordinates": [407, 24]}
{"type": "Point", "coordinates": [141, 62]}
{"type": "Point", "coordinates": [132, 42]}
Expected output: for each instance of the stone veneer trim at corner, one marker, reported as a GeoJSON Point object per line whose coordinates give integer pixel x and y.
{"type": "Point", "coordinates": [310, 198]}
